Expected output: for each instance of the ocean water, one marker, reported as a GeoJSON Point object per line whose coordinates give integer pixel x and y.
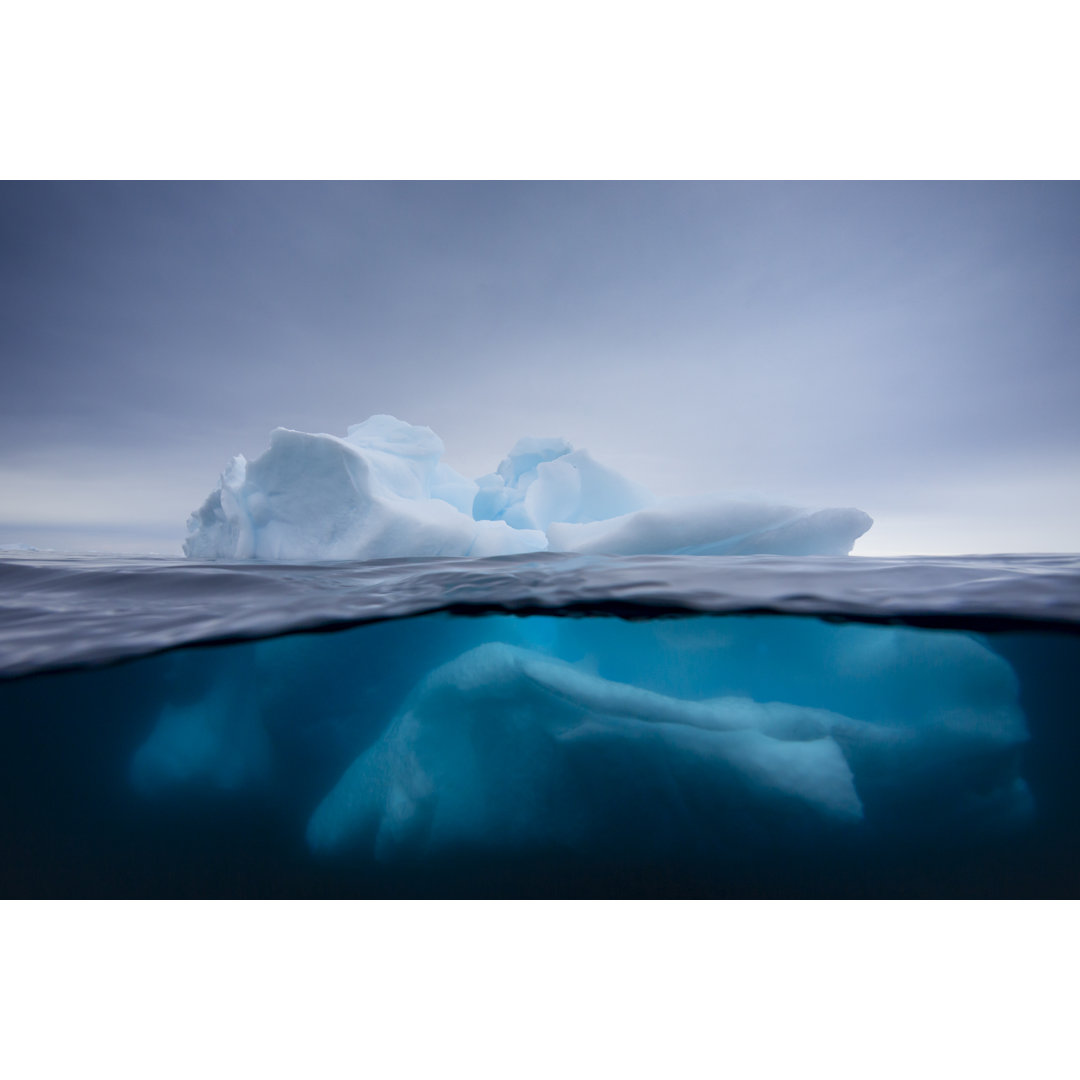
{"type": "Point", "coordinates": [542, 725]}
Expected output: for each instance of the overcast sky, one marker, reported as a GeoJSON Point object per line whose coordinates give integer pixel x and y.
{"type": "Point", "coordinates": [910, 349]}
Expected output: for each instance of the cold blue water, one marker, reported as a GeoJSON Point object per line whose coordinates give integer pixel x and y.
{"type": "Point", "coordinates": [540, 725]}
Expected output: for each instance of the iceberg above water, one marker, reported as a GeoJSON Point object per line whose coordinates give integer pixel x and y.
{"type": "Point", "coordinates": [383, 491]}
{"type": "Point", "coordinates": [380, 492]}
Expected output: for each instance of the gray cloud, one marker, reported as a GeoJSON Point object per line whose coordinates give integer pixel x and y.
{"type": "Point", "coordinates": [909, 348]}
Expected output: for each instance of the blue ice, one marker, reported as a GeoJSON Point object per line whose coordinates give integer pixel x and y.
{"type": "Point", "coordinates": [428, 736]}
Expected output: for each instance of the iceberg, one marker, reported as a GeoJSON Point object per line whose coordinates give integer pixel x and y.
{"type": "Point", "coordinates": [546, 480]}
{"type": "Point", "coordinates": [490, 748]}
{"type": "Point", "coordinates": [507, 747]}
{"type": "Point", "coordinates": [380, 492]}
{"type": "Point", "coordinates": [383, 491]}
{"type": "Point", "coordinates": [714, 735]}
{"type": "Point", "coordinates": [216, 742]}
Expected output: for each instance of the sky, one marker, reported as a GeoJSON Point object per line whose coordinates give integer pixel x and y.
{"type": "Point", "coordinates": [912, 349]}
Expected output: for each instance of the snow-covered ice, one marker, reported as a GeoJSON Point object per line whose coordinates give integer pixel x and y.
{"type": "Point", "coordinates": [383, 491]}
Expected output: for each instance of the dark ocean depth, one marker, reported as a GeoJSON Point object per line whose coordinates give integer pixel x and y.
{"type": "Point", "coordinates": [541, 725]}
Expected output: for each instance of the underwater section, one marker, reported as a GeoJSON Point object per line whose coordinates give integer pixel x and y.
{"type": "Point", "coordinates": [498, 755]}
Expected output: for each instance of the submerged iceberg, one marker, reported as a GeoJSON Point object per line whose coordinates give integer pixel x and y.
{"type": "Point", "coordinates": [383, 491]}
{"type": "Point", "coordinates": [714, 735]}
{"type": "Point", "coordinates": [491, 748]}
{"type": "Point", "coordinates": [508, 747]}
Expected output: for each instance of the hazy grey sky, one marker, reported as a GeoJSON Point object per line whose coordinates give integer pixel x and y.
{"type": "Point", "coordinates": [910, 349]}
